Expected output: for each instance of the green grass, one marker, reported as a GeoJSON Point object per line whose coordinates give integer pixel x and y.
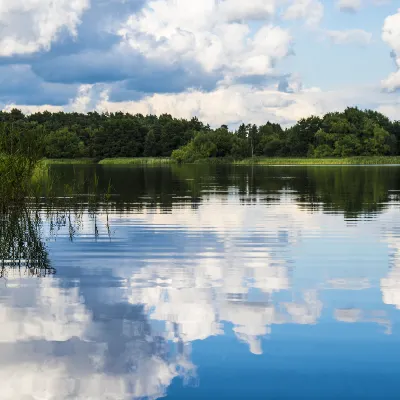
{"type": "Point", "coordinates": [137, 161]}
{"type": "Point", "coordinates": [156, 161]}
{"type": "Point", "coordinates": [53, 161]}
{"type": "Point", "coordinates": [379, 160]}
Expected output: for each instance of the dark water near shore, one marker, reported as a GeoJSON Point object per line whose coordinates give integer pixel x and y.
{"type": "Point", "coordinates": [212, 282]}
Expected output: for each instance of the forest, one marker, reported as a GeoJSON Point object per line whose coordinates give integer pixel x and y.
{"type": "Point", "coordinates": [353, 132]}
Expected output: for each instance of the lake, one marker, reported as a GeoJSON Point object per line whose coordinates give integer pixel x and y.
{"type": "Point", "coordinates": [206, 282]}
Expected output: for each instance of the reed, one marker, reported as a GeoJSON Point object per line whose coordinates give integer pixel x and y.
{"type": "Point", "coordinates": [67, 161]}
{"type": "Point", "coordinates": [148, 161]}
{"type": "Point", "coordinates": [378, 160]}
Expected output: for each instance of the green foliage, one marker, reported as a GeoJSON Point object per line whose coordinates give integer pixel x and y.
{"type": "Point", "coordinates": [63, 144]}
{"type": "Point", "coordinates": [21, 148]}
{"type": "Point", "coordinates": [206, 145]}
{"type": "Point", "coordinates": [350, 133]}
{"type": "Point", "coordinates": [301, 136]}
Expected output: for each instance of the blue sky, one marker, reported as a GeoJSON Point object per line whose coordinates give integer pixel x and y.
{"type": "Point", "coordinates": [225, 61]}
{"type": "Point", "coordinates": [327, 65]}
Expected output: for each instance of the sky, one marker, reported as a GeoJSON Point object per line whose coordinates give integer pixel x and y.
{"type": "Point", "coordinates": [224, 61]}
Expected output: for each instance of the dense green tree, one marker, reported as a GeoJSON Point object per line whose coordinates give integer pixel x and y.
{"type": "Point", "coordinates": [301, 136]}
{"type": "Point", "coordinates": [150, 144]}
{"type": "Point", "coordinates": [353, 132]}
{"type": "Point", "coordinates": [63, 144]}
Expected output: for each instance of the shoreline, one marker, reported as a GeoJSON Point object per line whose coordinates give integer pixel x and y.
{"type": "Point", "coordinates": [260, 161]}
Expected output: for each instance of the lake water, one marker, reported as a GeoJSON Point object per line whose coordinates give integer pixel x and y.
{"type": "Point", "coordinates": [210, 282]}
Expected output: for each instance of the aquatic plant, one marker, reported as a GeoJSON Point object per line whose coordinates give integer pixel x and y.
{"type": "Point", "coordinates": [20, 152]}
{"type": "Point", "coordinates": [21, 246]}
{"type": "Point", "coordinates": [377, 160]}
{"type": "Point", "coordinates": [148, 161]}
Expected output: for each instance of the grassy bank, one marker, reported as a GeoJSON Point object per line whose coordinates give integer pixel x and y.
{"type": "Point", "coordinates": [137, 161]}
{"type": "Point", "coordinates": [320, 161]}
{"type": "Point", "coordinates": [379, 160]}
{"type": "Point", "coordinates": [69, 161]}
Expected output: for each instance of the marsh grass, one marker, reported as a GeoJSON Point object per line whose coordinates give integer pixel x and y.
{"type": "Point", "coordinates": [28, 199]}
{"type": "Point", "coordinates": [379, 160]}
{"type": "Point", "coordinates": [155, 161]}
{"type": "Point", "coordinates": [21, 244]}
{"type": "Point", "coordinates": [20, 153]}
{"type": "Point", "coordinates": [67, 161]}
{"type": "Point", "coordinates": [149, 161]}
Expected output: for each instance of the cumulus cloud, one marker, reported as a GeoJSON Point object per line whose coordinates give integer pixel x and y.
{"type": "Point", "coordinates": [350, 36]}
{"type": "Point", "coordinates": [214, 35]}
{"type": "Point", "coordinates": [391, 110]}
{"type": "Point", "coordinates": [229, 104]}
{"type": "Point", "coordinates": [349, 5]}
{"type": "Point", "coordinates": [126, 69]}
{"type": "Point", "coordinates": [28, 26]}
{"type": "Point", "coordinates": [218, 60]}
{"type": "Point", "coordinates": [232, 104]}
{"type": "Point", "coordinates": [312, 11]}
{"type": "Point", "coordinates": [32, 109]}
{"type": "Point", "coordinates": [171, 46]}
{"type": "Point", "coordinates": [355, 5]}
{"type": "Point", "coordinates": [391, 35]}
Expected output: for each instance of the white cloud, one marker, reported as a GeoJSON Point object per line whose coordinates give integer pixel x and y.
{"type": "Point", "coordinates": [355, 5]}
{"type": "Point", "coordinates": [236, 103]}
{"type": "Point", "coordinates": [312, 11]}
{"type": "Point", "coordinates": [349, 315]}
{"type": "Point", "coordinates": [234, 10]}
{"type": "Point", "coordinates": [233, 104]}
{"type": "Point", "coordinates": [33, 109]}
{"type": "Point", "coordinates": [194, 296]}
{"type": "Point", "coordinates": [391, 35]}
{"type": "Point", "coordinates": [306, 312]}
{"type": "Point", "coordinates": [79, 373]}
{"type": "Point", "coordinates": [390, 285]}
{"type": "Point", "coordinates": [41, 317]}
{"type": "Point", "coordinates": [226, 104]}
{"type": "Point", "coordinates": [28, 26]}
{"type": "Point", "coordinates": [350, 36]}
{"type": "Point", "coordinates": [391, 110]}
{"type": "Point", "coordinates": [57, 315]}
{"type": "Point", "coordinates": [356, 315]}
{"type": "Point", "coordinates": [349, 5]}
{"type": "Point", "coordinates": [348, 284]}
{"type": "Point", "coordinates": [215, 35]}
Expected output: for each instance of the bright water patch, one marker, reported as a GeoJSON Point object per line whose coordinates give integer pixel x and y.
{"type": "Point", "coordinates": [212, 282]}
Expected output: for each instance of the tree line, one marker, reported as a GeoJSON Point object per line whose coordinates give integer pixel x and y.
{"type": "Point", "coordinates": [353, 132]}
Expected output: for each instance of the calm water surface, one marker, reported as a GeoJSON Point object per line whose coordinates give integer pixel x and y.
{"type": "Point", "coordinates": [204, 282]}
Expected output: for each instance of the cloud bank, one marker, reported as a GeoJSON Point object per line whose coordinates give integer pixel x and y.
{"type": "Point", "coordinates": [225, 61]}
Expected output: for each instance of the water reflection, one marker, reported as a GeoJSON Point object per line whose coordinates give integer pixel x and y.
{"type": "Point", "coordinates": [22, 248]}
{"type": "Point", "coordinates": [390, 284]}
{"type": "Point", "coordinates": [60, 349]}
{"type": "Point", "coordinates": [183, 269]}
{"type": "Point", "coordinates": [352, 191]}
